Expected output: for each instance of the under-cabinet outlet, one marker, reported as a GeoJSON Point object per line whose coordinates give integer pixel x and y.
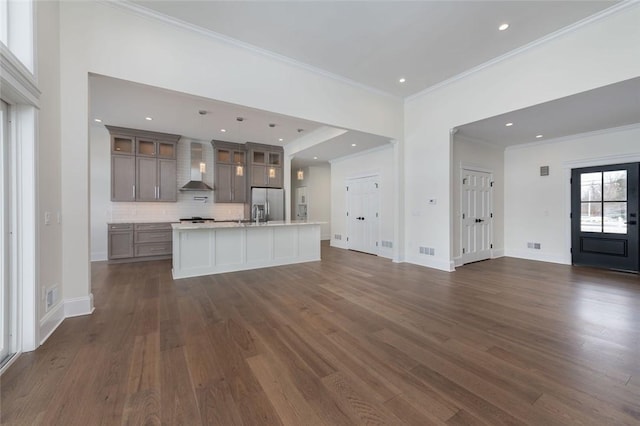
{"type": "Point", "coordinates": [535, 246]}
{"type": "Point", "coordinates": [429, 251]}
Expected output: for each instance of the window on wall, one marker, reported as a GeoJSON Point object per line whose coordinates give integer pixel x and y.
{"type": "Point", "coordinates": [16, 30]}
{"type": "Point", "coordinates": [603, 202]}
{"type": "Point", "coordinates": [4, 20]}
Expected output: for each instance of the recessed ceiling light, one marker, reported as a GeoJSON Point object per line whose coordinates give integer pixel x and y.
{"type": "Point", "coordinates": [503, 27]}
{"type": "Point", "coordinates": [280, 139]}
{"type": "Point", "coordinates": [315, 158]}
{"type": "Point", "coordinates": [353, 144]}
{"type": "Point", "coordinates": [402, 80]}
{"type": "Point", "coordinates": [538, 136]}
{"type": "Point", "coordinates": [223, 130]}
{"type": "Point", "coordinates": [148, 118]}
{"type": "Point", "coordinates": [509, 124]}
{"type": "Point", "coordinates": [97, 120]}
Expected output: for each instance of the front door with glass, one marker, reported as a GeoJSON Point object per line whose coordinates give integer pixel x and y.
{"type": "Point", "coordinates": [604, 216]}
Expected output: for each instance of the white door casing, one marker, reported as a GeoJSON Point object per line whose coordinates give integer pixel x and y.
{"type": "Point", "coordinates": [363, 204]}
{"type": "Point", "coordinates": [5, 260]}
{"type": "Point", "coordinates": [476, 215]}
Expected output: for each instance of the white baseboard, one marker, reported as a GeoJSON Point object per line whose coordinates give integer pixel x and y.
{"type": "Point", "coordinates": [51, 321]}
{"type": "Point", "coordinates": [542, 257]}
{"type": "Point", "coordinates": [496, 253]}
{"type": "Point", "coordinates": [431, 262]}
{"type": "Point", "coordinates": [325, 237]}
{"type": "Point", "coordinates": [78, 306]}
{"type": "Point", "coordinates": [98, 256]}
{"type": "Point", "coordinates": [457, 261]}
{"type": "Point", "coordinates": [338, 244]}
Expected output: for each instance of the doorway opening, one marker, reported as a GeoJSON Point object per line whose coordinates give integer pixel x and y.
{"type": "Point", "coordinates": [363, 214]}
{"type": "Point", "coordinates": [604, 216]}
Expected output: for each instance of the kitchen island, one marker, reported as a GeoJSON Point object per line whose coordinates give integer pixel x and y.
{"type": "Point", "coordinates": [213, 248]}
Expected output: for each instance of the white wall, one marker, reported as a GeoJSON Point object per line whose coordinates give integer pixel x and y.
{"type": "Point", "coordinates": [375, 162]}
{"type": "Point", "coordinates": [49, 272]}
{"type": "Point", "coordinates": [597, 54]}
{"type": "Point", "coordinates": [104, 211]}
{"type": "Point", "coordinates": [103, 38]}
{"type": "Point", "coordinates": [484, 157]}
{"type": "Point", "coordinates": [537, 207]}
{"type": "Point", "coordinates": [317, 180]}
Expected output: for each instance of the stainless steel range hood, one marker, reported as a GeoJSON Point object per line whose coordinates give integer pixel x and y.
{"type": "Point", "coordinates": [198, 168]}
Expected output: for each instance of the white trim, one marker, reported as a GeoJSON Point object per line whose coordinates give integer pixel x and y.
{"type": "Point", "coordinates": [51, 321]}
{"type": "Point", "coordinates": [541, 257]}
{"type": "Point", "coordinates": [341, 244]}
{"type": "Point", "coordinates": [618, 7]}
{"type": "Point", "coordinates": [99, 256]}
{"type": "Point", "coordinates": [24, 128]}
{"type": "Point", "coordinates": [496, 253]}
{"type": "Point", "coordinates": [429, 262]}
{"type": "Point", "coordinates": [592, 133]}
{"type": "Point", "coordinates": [17, 83]}
{"type": "Point", "coordinates": [457, 262]}
{"type": "Point", "coordinates": [358, 154]}
{"type": "Point", "coordinates": [11, 360]}
{"type": "Point", "coordinates": [475, 141]}
{"type": "Point", "coordinates": [78, 306]}
{"type": "Point", "coordinates": [148, 13]}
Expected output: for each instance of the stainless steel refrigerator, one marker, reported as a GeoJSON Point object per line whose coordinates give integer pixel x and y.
{"type": "Point", "coordinates": [267, 204]}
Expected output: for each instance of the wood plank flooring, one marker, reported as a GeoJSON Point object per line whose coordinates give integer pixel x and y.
{"type": "Point", "coordinates": [350, 340]}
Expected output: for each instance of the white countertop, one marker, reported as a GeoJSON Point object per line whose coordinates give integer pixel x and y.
{"type": "Point", "coordinates": [215, 225]}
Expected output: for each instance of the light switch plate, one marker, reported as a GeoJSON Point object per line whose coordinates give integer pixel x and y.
{"type": "Point", "coordinates": [47, 218]}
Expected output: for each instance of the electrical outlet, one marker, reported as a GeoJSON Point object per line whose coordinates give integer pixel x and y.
{"type": "Point", "coordinates": [337, 237]}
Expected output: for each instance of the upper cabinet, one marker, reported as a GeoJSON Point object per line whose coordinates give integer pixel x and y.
{"type": "Point", "coordinates": [230, 172]}
{"type": "Point", "coordinates": [143, 165]}
{"type": "Point", "coordinates": [266, 165]}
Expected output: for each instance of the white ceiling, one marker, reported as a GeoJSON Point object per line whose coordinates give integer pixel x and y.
{"type": "Point", "coordinates": [371, 43]}
{"type": "Point", "coordinates": [606, 107]}
{"type": "Point", "coordinates": [126, 104]}
{"type": "Point", "coordinates": [375, 43]}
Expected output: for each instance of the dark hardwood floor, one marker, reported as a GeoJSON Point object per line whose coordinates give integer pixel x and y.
{"type": "Point", "coordinates": [353, 339]}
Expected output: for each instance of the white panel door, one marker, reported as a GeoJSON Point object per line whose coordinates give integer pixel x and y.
{"type": "Point", "coordinates": [363, 203]}
{"type": "Point", "coordinates": [5, 293]}
{"type": "Point", "coordinates": [476, 216]}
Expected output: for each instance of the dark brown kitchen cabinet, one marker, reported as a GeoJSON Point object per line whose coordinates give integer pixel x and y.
{"type": "Point", "coordinates": [141, 241]}
{"type": "Point", "coordinates": [230, 173]}
{"type": "Point", "coordinates": [143, 165]}
{"type": "Point", "coordinates": [266, 165]}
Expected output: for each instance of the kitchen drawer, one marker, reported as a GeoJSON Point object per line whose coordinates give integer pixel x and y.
{"type": "Point", "coordinates": [152, 226]}
{"type": "Point", "coordinates": [120, 227]}
{"type": "Point", "coordinates": [153, 249]}
{"type": "Point", "coordinates": [152, 236]}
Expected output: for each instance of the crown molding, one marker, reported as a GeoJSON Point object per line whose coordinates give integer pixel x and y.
{"type": "Point", "coordinates": [480, 141]}
{"type": "Point", "coordinates": [148, 13]}
{"type": "Point", "coordinates": [623, 5]}
{"type": "Point", "coordinates": [598, 132]}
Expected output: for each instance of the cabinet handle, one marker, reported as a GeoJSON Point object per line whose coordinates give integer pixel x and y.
{"type": "Point", "coordinates": [133, 191]}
